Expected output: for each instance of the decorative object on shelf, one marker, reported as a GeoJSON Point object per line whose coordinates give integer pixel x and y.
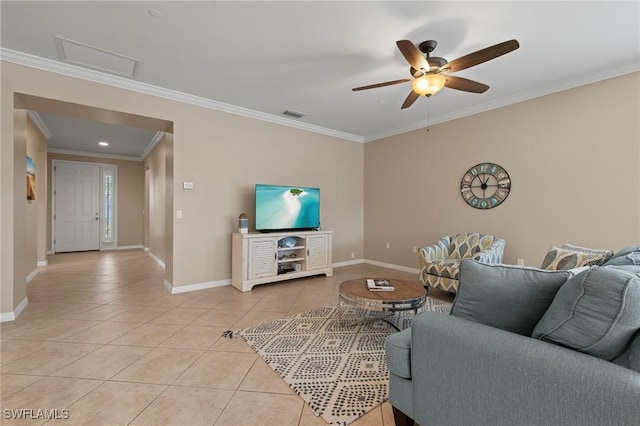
{"type": "Point", "coordinates": [288, 242]}
{"type": "Point", "coordinates": [243, 223]}
{"type": "Point", "coordinates": [485, 186]}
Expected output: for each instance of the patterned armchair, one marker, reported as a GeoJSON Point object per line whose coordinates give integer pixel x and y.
{"type": "Point", "coordinates": [440, 263]}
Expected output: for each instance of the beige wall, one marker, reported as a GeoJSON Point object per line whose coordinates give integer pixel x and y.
{"type": "Point", "coordinates": [155, 168]}
{"type": "Point", "coordinates": [37, 209]}
{"type": "Point", "coordinates": [223, 154]}
{"type": "Point", "coordinates": [129, 197]}
{"type": "Point", "coordinates": [574, 162]}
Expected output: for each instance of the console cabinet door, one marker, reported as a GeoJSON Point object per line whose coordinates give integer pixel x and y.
{"type": "Point", "coordinates": [317, 251]}
{"type": "Point", "coordinates": [262, 257]}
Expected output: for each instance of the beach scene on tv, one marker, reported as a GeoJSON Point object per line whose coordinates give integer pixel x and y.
{"type": "Point", "coordinates": [287, 207]}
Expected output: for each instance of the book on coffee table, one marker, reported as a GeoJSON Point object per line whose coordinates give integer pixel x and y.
{"type": "Point", "coordinates": [375, 284]}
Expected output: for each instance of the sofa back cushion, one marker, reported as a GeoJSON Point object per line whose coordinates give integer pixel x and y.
{"type": "Point", "coordinates": [596, 312]}
{"type": "Point", "coordinates": [509, 297]}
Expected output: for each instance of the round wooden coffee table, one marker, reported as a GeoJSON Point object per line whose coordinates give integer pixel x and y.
{"type": "Point", "coordinates": [407, 296]}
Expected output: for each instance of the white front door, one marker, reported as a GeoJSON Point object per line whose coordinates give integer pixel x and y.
{"type": "Point", "coordinates": [77, 212]}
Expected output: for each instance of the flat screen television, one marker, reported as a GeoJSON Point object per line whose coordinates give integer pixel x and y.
{"type": "Point", "coordinates": [280, 208]}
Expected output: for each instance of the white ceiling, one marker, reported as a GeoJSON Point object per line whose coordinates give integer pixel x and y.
{"type": "Point", "coordinates": [261, 58]}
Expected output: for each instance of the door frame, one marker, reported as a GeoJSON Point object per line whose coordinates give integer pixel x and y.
{"type": "Point", "coordinates": [103, 167]}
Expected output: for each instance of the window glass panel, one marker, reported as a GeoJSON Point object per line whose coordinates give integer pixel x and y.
{"type": "Point", "coordinates": [107, 234]}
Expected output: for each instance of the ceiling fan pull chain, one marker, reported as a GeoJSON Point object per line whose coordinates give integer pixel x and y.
{"type": "Point", "coordinates": [428, 115]}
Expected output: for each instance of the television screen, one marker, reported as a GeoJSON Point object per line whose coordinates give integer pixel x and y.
{"type": "Point", "coordinates": [287, 207]}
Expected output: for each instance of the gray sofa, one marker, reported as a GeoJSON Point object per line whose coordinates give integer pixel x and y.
{"type": "Point", "coordinates": [509, 354]}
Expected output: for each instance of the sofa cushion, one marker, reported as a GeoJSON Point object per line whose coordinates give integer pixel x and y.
{"type": "Point", "coordinates": [596, 312]}
{"type": "Point", "coordinates": [630, 358]}
{"type": "Point", "coordinates": [569, 256]}
{"type": "Point", "coordinates": [509, 297]}
{"type": "Point", "coordinates": [627, 256]}
{"type": "Point", "coordinates": [398, 350]}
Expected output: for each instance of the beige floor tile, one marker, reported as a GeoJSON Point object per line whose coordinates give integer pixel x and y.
{"type": "Point", "coordinates": [169, 300]}
{"type": "Point", "coordinates": [220, 370]}
{"type": "Point", "coordinates": [261, 409]}
{"type": "Point", "coordinates": [11, 350]}
{"type": "Point", "coordinates": [49, 359]}
{"type": "Point", "coordinates": [12, 383]}
{"type": "Point", "coordinates": [194, 337]}
{"type": "Point", "coordinates": [160, 365]}
{"type": "Point", "coordinates": [219, 318]}
{"type": "Point", "coordinates": [141, 314]}
{"type": "Point", "coordinates": [101, 313]}
{"type": "Point", "coordinates": [53, 329]}
{"type": "Point", "coordinates": [308, 418]}
{"type": "Point", "coordinates": [101, 298]}
{"type": "Point", "coordinates": [179, 316]}
{"type": "Point", "coordinates": [273, 305]}
{"type": "Point", "coordinates": [112, 403]}
{"type": "Point", "coordinates": [252, 318]}
{"type": "Point", "coordinates": [234, 344]}
{"type": "Point", "coordinates": [48, 393]}
{"type": "Point", "coordinates": [103, 363]}
{"type": "Point", "coordinates": [180, 406]}
{"type": "Point", "coordinates": [104, 332]}
{"type": "Point", "coordinates": [148, 335]}
{"type": "Point", "coordinates": [262, 378]}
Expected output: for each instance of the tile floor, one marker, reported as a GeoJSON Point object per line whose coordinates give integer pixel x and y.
{"type": "Point", "coordinates": [102, 338]}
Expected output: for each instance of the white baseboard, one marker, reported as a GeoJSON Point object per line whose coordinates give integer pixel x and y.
{"type": "Point", "coordinates": [348, 263]}
{"type": "Point", "coordinates": [129, 247]}
{"type": "Point", "coordinates": [392, 266]}
{"type": "Point", "coordinates": [195, 287]}
{"type": "Point", "coordinates": [11, 316]}
{"type": "Point", "coordinates": [43, 263]}
{"type": "Point", "coordinates": [32, 275]}
{"type": "Point", "coordinates": [157, 259]}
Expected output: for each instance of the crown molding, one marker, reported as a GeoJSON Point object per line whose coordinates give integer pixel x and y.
{"type": "Point", "coordinates": [92, 154]}
{"type": "Point", "coordinates": [37, 120]}
{"type": "Point", "coordinates": [69, 70]}
{"type": "Point", "coordinates": [154, 141]}
{"type": "Point", "coordinates": [510, 100]}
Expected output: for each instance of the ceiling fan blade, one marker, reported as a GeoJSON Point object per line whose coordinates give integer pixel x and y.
{"type": "Point", "coordinates": [465, 85]}
{"type": "Point", "coordinates": [412, 55]}
{"type": "Point", "coordinates": [481, 56]}
{"type": "Point", "coordinates": [410, 99]}
{"type": "Point", "coordinates": [386, 83]}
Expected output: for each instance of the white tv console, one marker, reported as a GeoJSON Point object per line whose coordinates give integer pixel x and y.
{"type": "Point", "coordinates": [259, 258]}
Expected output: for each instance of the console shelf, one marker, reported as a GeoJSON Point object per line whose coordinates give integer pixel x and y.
{"type": "Point", "coordinates": [264, 258]}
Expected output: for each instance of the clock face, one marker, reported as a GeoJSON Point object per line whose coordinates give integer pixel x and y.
{"type": "Point", "coordinates": [485, 186]}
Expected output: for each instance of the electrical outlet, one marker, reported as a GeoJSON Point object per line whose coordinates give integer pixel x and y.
{"type": "Point", "coordinates": [520, 262]}
{"type": "Point", "coordinates": [414, 249]}
{"type": "Point", "coordinates": [388, 246]}
{"type": "Point", "coordinates": [353, 255]}
{"type": "Point", "coordinates": [178, 214]}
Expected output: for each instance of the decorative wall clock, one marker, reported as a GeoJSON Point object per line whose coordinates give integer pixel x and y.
{"type": "Point", "coordinates": [485, 186]}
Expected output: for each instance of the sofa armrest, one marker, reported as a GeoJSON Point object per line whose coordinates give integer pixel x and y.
{"type": "Point", "coordinates": [468, 373]}
{"type": "Point", "coordinates": [437, 251]}
{"type": "Point", "coordinates": [492, 254]}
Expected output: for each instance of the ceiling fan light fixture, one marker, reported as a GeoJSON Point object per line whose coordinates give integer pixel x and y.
{"type": "Point", "coordinates": [428, 84]}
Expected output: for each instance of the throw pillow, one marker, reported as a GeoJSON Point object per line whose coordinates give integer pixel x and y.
{"type": "Point", "coordinates": [569, 256]}
{"type": "Point", "coordinates": [596, 312]}
{"type": "Point", "coordinates": [509, 297]}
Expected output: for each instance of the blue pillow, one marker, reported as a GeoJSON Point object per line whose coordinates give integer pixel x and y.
{"type": "Point", "coordinates": [596, 312]}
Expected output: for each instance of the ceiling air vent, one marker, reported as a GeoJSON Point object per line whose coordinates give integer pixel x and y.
{"type": "Point", "coordinates": [293, 114]}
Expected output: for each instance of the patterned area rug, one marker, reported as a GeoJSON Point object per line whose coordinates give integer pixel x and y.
{"type": "Point", "coordinates": [336, 366]}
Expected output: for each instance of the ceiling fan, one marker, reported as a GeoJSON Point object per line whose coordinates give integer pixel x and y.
{"type": "Point", "coordinates": [430, 74]}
